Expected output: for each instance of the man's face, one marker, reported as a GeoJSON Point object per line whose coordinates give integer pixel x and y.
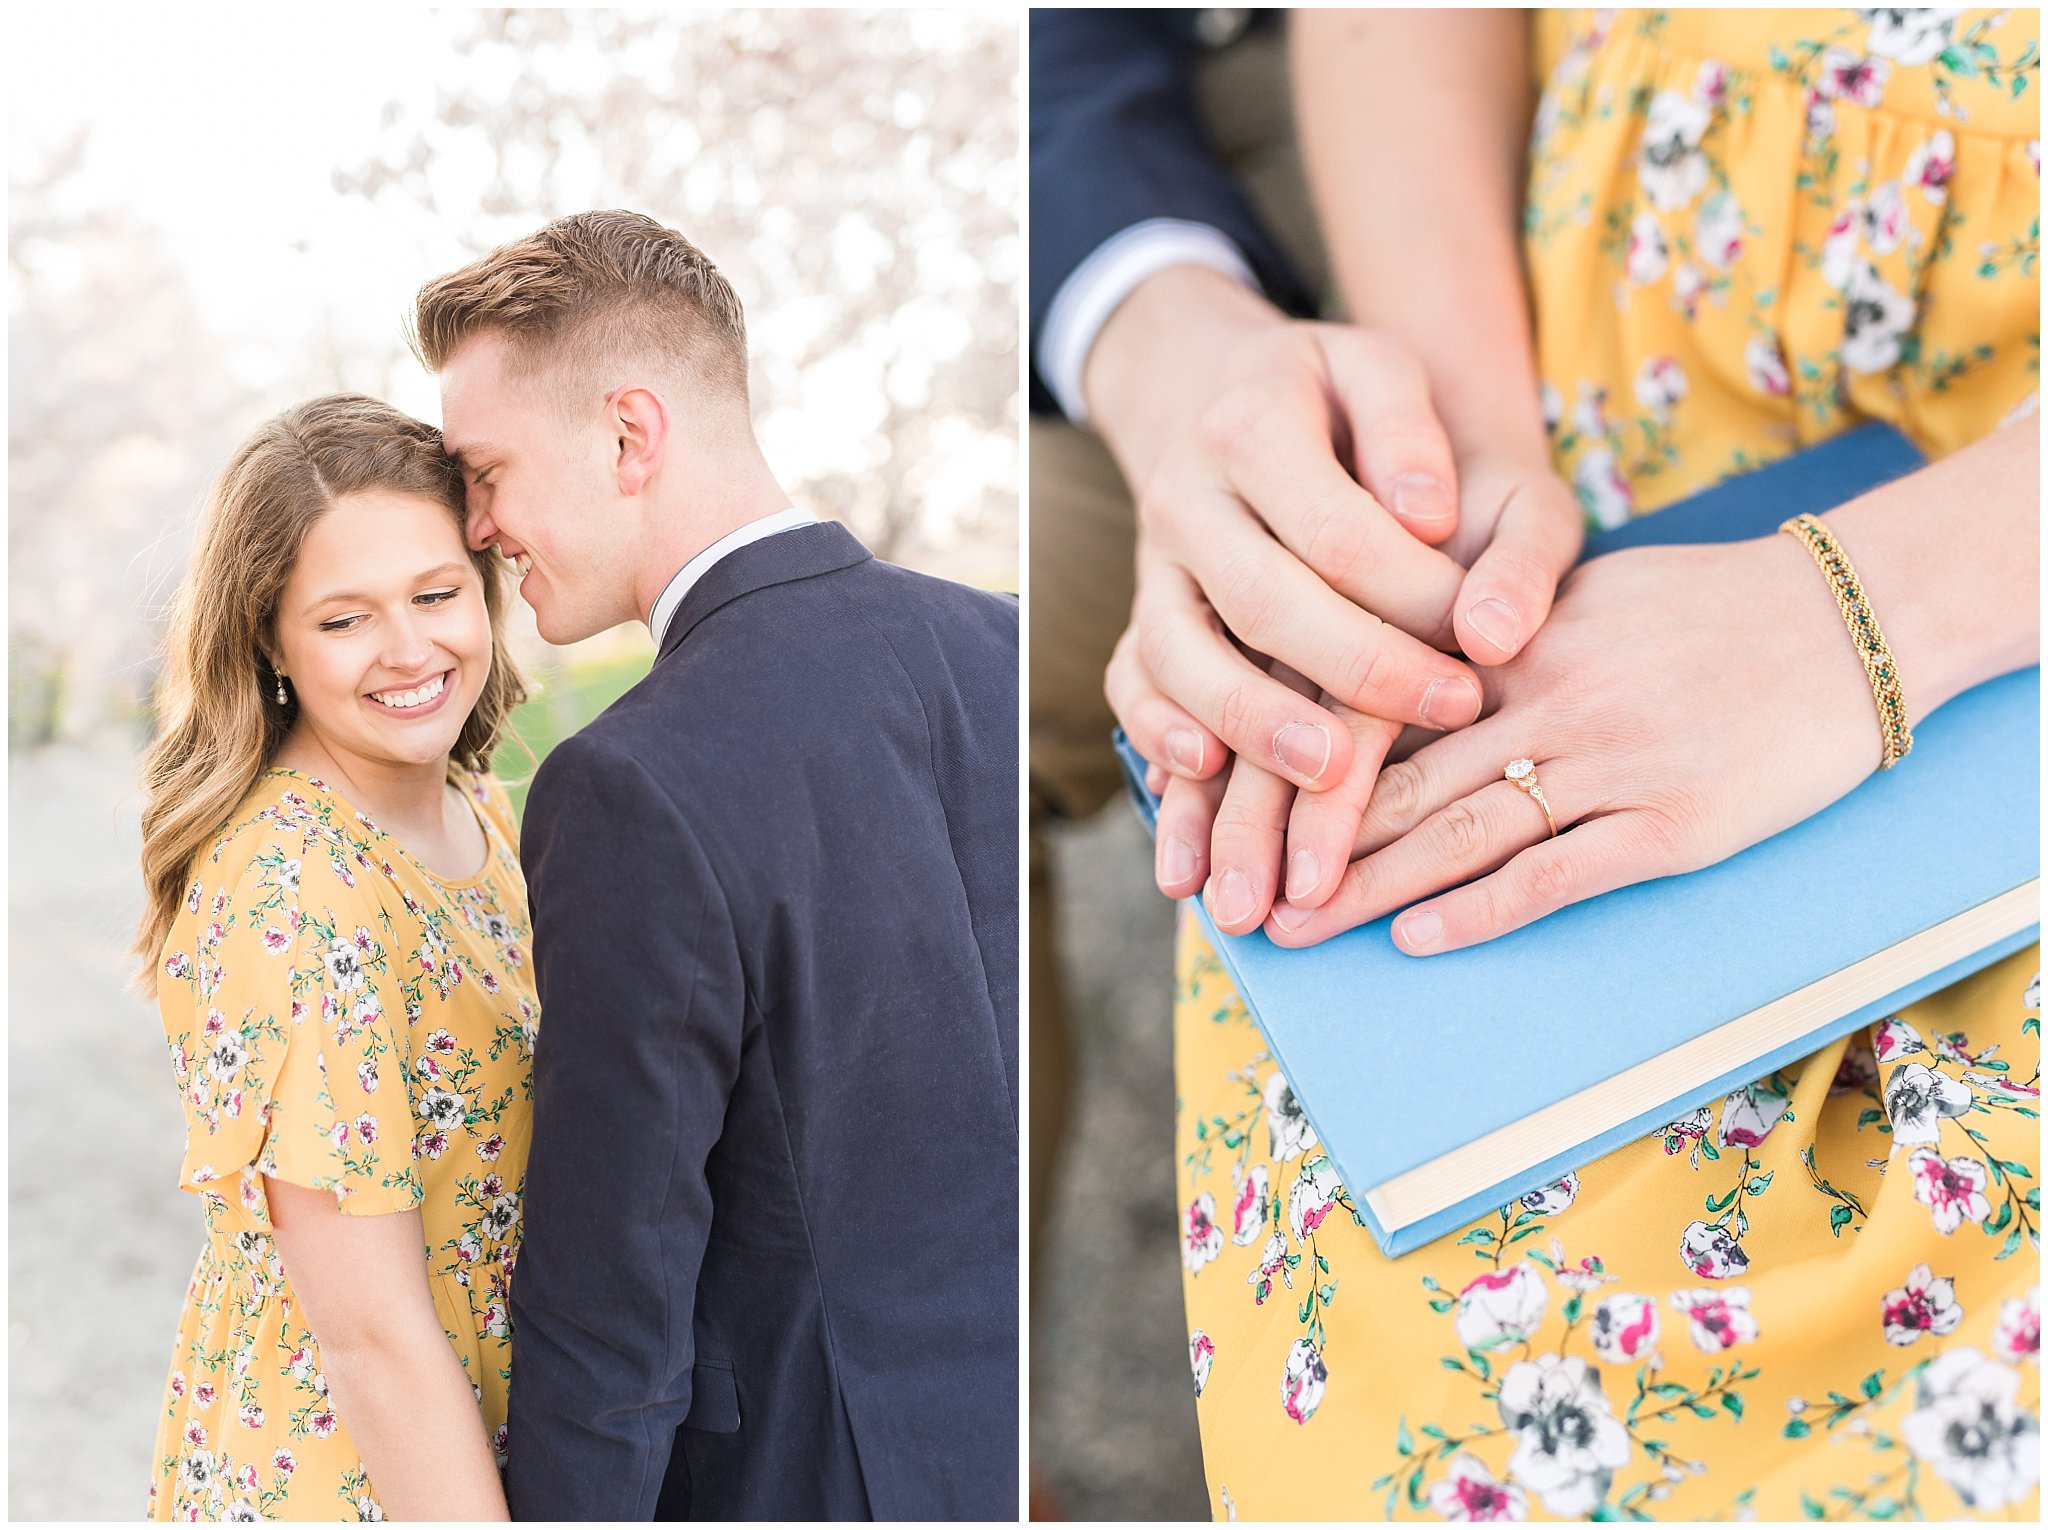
{"type": "Point", "coordinates": [542, 487]}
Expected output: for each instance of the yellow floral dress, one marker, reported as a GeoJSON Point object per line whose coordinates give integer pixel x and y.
{"type": "Point", "coordinates": [339, 1018]}
{"type": "Point", "coordinates": [1819, 1297]}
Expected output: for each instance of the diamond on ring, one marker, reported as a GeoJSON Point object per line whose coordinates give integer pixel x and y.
{"type": "Point", "coordinates": [1522, 773]}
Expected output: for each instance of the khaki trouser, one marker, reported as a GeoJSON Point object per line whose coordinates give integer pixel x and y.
{"type": "Point", "coordinates": [1082, 533]}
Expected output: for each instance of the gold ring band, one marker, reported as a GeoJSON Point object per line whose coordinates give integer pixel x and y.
{"type": "Point", "coordinates": [1523, 774]}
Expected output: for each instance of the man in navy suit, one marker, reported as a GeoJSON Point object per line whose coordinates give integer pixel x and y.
{"type": "Point", "coordinates": [769, 1268]}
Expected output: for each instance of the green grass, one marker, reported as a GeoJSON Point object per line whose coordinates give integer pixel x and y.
{"type": "Point", "coordinates": [567, 699]}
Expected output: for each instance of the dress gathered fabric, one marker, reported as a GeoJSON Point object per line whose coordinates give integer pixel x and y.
{"type": "Point", "coordinates": [1818, 1298]}
{"type": "Point", "coordinates": [340, 1019]}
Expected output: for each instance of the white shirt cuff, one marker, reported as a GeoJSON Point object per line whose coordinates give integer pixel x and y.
{"type": "Point", "coordinates": [1112, 271]}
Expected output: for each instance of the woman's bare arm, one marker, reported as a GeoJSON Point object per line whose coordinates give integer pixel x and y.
{"type": "Point", "coordinates": [393, 1379]}
{"type": "Point", "coordinates": [1413, 127]}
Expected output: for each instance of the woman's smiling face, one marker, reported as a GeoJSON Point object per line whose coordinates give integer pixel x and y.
{"type": "Point", "coordinates": [382, 631]}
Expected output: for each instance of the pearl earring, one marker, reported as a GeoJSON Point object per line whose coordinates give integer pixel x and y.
{"type": "Point", "coordinates": [282, 699]}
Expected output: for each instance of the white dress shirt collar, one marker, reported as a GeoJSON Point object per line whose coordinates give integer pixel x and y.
{"type": "Point", "coordinates": [670, 599]}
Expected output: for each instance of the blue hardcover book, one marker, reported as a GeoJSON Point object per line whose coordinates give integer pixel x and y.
{"type": "Point", "coordinates": [1598, 1024]}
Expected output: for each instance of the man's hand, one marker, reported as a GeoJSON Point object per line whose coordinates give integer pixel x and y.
{"type": "Point", "coordinates": [1290, 480]}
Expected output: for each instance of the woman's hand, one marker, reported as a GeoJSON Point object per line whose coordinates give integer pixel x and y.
{"type": "Point", "coordinates": [1680, 704]}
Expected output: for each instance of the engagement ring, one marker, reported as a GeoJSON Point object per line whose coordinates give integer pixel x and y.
{"type": "Point", "coordinates": [1523, 774]}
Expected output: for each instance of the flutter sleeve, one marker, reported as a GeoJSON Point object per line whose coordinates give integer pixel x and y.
{"type": "Point", "coordinates": [292, 1055]}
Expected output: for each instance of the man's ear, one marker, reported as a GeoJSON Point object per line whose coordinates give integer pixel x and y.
{"type": "Point", "coordinates": [640, 424]}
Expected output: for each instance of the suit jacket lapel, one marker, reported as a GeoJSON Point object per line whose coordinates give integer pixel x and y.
{"type": "Point", "coordinates": [800, 554]}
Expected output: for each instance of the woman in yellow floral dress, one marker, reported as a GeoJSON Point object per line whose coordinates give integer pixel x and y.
{"type": "Point", "coordinates": [337, 934]}
{"type": "Point", "coordinates": [1744, 232]}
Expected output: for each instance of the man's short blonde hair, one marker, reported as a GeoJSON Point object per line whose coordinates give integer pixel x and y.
{"type": "Point", "coordinates": [585, 291]}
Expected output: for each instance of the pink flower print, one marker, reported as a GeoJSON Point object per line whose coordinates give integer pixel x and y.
{"type": "Point", "coordinates": [1471, 1495]}
{"type": "Point", "coordinates": [1689, 1129]}
{"type": "Point", "coordinates": [1272, 1261]}
{"type": "Point", "coordinates": [1720, 1317]}
{"type": "Point", "coordinates": [1893, 1038]}
{"type": "Point", "coordinates": [490, 1147]}
{"type": "Point", "coordinates": [1201, 1239]}
{"type": "Point", "coordinates": [441, 1041]}
{"type": "Point", "coordinates": [275, 941]}
{"type": "Point", "coordinates": [1933, 165]}
{"type": "Point", "coordinates": [366, 1129]}
{"type": "Point", "coordinates": [1749, 1114]}
{"type": "Point", "coordinates": [1602, 491]}
{"type": "Point", "coordinates": [1302, 1381]}
{"type": "Point", "coordinates": [1954, 1046]}
{"type": "Point", "coordinates": [1316, 1190]}
{"type": "Point", "coordinates": [246, 1477]}
{"type": "Point", "coordinates": [366, 1076]}
{"type": "Point", "coordinates": [178, 965]}
{"type": "Point", "coordinates": [1710, 85]}
{"type": "Point", "coordinates": [1718, 230]}
{"type": "Point", "coordinates": [1649, 253]}
{"type": "Point", "coordinates": [338, 1134]}
{"type": "Point", "coordinates": [251, 1416]}
{"type": "Point", "coordinates": [192, 900]}
{"type": "Point", "coordinates": [322, 1423]}
{"type": "Point", "coordinates": [1501, 1307]}
{"type": "Point", "coordinates": [1924, 1304]}
{"type": "Point", "coordinates": [1820, 119]}
{"type": "Point", "coordinates": [1589, 1274]}
{"type": "Point", "coordinates": [1248, 1218]}
{"type": "Point", "coordinates": [203, 1394]}
{"type": "Point", "coordinates": [284, 1461]}
{"type": "Point", "coordinates": [2018, 1334]}
{"type": "Point", "coordinates": [431, 1145]}
{"type": "Point", "coordinates": [1843, 76]}
{"type": "Point", "coordinates": [1625, 1328]}
{"type": "Point", "coordinates": [1548, 1200]}
{"type": "Point", "coordinates": [493, 1184]}
{"type": "Point", "coordinates": [2034, 155]}
{"type": "Point", "coordinates": [178, 1381]}
{"type": "Point", "coordinates": [1711, 1252]}
{"type": "Point", "coordinates": [1660, 384]}
{"type": "Point", "coordinates": [1952, 1188]}
{"type": "Point", "coordinates": [1201, 1356]}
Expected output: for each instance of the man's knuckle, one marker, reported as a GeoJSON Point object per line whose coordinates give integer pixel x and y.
{"type": "Point", "coordinates": [1235, 712]}
{"type": "Point", "coordinates": [1548, 881]}
{"type": "Point", "coordinates": [1334, 542]}
{"type": "Point", "coordinates": [1462, 830]}
{"type": "Point", "coordinates": [1396, 794]}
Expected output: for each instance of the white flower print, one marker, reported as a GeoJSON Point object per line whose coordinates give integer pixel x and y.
{"type": "Point", "coordinates": [1471, 1495]}
{"type": "Point", "coordinates": [1570, 1442]}
{"type": "Point", "coordinates": [1286, 1122]}
{"type": "Point", "coordinates": [344, 968]}
{"type": "Point", "coordinates": [1933, 165]}
{"type": "Point", "coordinates": [1909, 35]}
{"type": "Point", "coordinates": [1840, 75]}
{"type": "Point", "coordinates": [1971, 1431]}
{"type": "Point", "coordinates": [1916, 1098]}
{"type": "Point", "coordinates": [1688, 285]}
{"type": "Point", "coordinates": [1201, 1239]}
{"type": "Point", "coordinates": [1952, 1188]}
{"type": "Point", "coordinates": [1711, 1251]}
{"type": "Point", "coordinates": [2033, 995]}
{"type": "Point", "coordinates": [1660, 383]}
{"type": "Point", "coordinates": [284, 1461]}
{"type": "Point", "coordinates": [1315, 1191]}
{"type": "Point", "coordinates": [1710, 85]}
{"type": "Point", "coordinates": [1502, 1307]}
{"type": "Point", "coordinates": [228, 1057]}
{"type": "Point", "coordinates": [1602, 490]}
{"type": "Point", "coordinates": [1718, 229]}
{"type": "Point", "coordinates": [1302, 1381]}
{"type": "Point", "coordinates": [1553, 406]}
{"type": "Point", "coordinates": [1875, 320]}
{"type": "Point", "coordinates": [1201, 1356]}
{"type": "Point", "coordinates": [1749, 1114]}
{"type": "Point", "coordinates": [1885, 223]}
{"type": "Point", "coordinates": [1924, 1304]}
{"type": "Point", "coordinates": [1764, 358]}
{"type": "Point", "coordinates": [2018, 1334]}
{"type": "Point", "coordinates": [1589, 414]}
{"type": "Point", "coordinates": [1548, 1200]}
{"type": "Point", "coordinates": [1625, 1328]}
{"type": "Point", "coordinates": [1820, 120]}
{"type": "Point", "coordinates": [442, 1109]}
{"type": "Point", "coordinates": [1649, 253]}
{"type": "Point", "coordinates": [1248, 1219]}
{"type": "Point", "coordinates": [500, 1215]}
{"type": "Point", "coordinates": [366, 1076]}
{"type": "Point", "coordinates": [1719, 1316]}
{"type": "Point", "coordinates": [1669, 163]}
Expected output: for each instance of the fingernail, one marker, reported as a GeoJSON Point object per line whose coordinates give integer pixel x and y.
{"type": "Point", "coordinates": [1450, 703]}
{"type": "Point", "coordinates": [1304, 748]}
{"type": "Point", "coordinates": [1421, 499]}
{"type": "Point", "coordinates": [1421, 932]}
{"type": "Point", "coordinates": [1232, 900]}
{"type": "Point", "coordinates": [1495, 620]}
{"type": "Point", "coordinates": [1184, 749]}
{"type": "Point", "coordinates": [1176, 860]}
{"type": "Point", "coordinates": [1304, 871]}
{"type": "Point", "coordinates": [1290, 918]}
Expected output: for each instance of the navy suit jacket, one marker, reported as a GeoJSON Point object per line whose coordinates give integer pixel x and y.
{"type": "Point", "coordinates": [770, 1257]}
{"type": "Point", "coordinates": [1115, 140]}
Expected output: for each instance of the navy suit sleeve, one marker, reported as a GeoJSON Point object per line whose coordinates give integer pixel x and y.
{"type": "Point", "coordinates": [1115, 140]}
{"type": "Point", "coordinates": [642, 1005]}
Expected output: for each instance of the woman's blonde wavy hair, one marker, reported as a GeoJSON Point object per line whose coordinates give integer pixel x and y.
{"type": "Point", "coordinates": [220, 723]}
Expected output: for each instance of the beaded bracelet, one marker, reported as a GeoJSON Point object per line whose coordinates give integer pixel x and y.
{"type": "Point", "coordinates": [1863, 631]}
